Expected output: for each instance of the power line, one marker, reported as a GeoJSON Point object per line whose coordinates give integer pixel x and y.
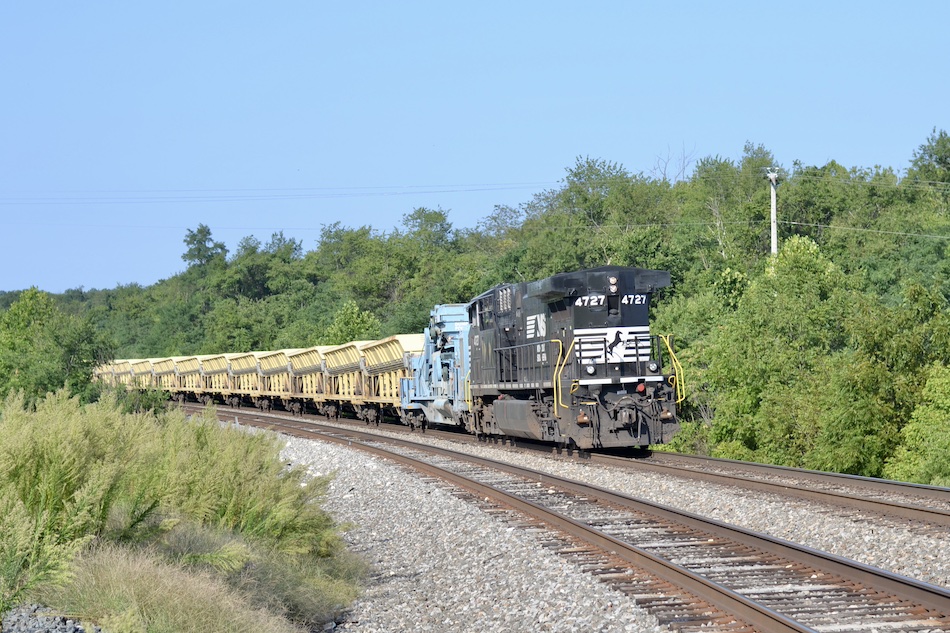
{"type": "Point", "coordinates": [600, 227]}
{"type": "Point", "coordinates": [862, 230]}
{"type": "Point", "coordinates": [251, 195]}
{"type": "Point", "coordinates": [154, 196]}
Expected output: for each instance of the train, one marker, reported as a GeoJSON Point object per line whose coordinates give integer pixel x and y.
{"type": "Point", "coordinates": [567, 360]}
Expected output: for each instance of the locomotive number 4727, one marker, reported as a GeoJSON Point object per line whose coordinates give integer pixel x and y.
{"type": "Point", "coordinates": [589, 301]}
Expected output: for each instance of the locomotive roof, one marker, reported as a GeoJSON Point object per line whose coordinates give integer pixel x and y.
{"type": "Point", "coordinates": [560, 285]}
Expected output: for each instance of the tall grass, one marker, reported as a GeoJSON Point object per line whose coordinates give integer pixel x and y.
{"type": "Point", "coordinates": [307, 589]}
{"type": "Point", "coordinates": [59, 476]}
{"type": "Point", "coordinates": [237, 482]}
{"type": "Point", "coordinates": [202, 497]}
{"type": "Point", "coordinates": [129, 591]}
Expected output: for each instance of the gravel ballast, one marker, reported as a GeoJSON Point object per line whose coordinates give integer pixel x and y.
{"type": "Point", "coordinates": [34, 618]}
{"type": "Point", "coordinates": [441, 564]}
{"type": "Point", "coordinates": [885, 543]}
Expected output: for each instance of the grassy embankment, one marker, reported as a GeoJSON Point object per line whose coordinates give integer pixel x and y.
{"type": "Point", "coordinates": [153, 523]}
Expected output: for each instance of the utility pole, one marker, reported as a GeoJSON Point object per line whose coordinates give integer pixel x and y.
{"type": "Point", "coordinates": [772, 175]}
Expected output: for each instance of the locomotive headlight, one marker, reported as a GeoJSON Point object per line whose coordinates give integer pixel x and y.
{"type": "Point", "coordinates": [612, 280]}
{"type": "Point", "coordinates": [612, 288]}
{"type": "Point", "coordinates": [653, 366]}
{"type": "Point", "coordinates": [590, 369]}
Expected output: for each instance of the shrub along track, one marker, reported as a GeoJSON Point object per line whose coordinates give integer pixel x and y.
{"type": "Point", "coordinates": [690, 572]}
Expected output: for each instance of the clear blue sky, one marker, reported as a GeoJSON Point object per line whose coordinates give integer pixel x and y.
{"type": "Point", "coordinates": [123, 124]}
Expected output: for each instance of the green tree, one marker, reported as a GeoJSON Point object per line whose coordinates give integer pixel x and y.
{"type": "Point", "coordinates": [429, 227]}
{"type": "Point", "coordinates": [600, 215]}
{"type": "Point", "coordinates": [814, 198]}
{"type": "Point", "coordinates": [237, 325]}
{"type": "Point", "coordinates": [351, 324]}
{"type": "Point", "coordinates": [498, 242]}
{"type": "Point", "coordinates": [720, 219]}
{"type": "Point", "coordinates": [337, 248]}
{"type": "Point", "coordinates": [202, 249]}
{"type": "Point", "coordinates": [246, 272]}
{"type": "Point", "coordinates": [43, 349]}
{"type": "Point", "coordinates": [925, 441]}
{"type": "Point", "coordinates": [931, 161]}
{"type": "Point", "coordinates": [851, 403]}
{"type": "Point", "coordinates": [284, 253]}
{"type": "Point", "coordinates": [767, 353]}
{"type": "Point", "coordinates": [424, 268]}
{"type": "Point", "coordinates": [904, 340]}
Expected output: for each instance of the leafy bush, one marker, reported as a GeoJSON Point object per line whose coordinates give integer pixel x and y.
{"type": "Point", "coordinates": [59, 476]}
{"type": "Point", "coordinates": [237, 481]}
{"type": "Point", "coordinates": [922, 454]}
{"type": "Point", "coordinates": [693, 438]}
{"type": "Point", "coordinates": [215, 500]}
{"type": "Point", "coordinates": [140, 400]}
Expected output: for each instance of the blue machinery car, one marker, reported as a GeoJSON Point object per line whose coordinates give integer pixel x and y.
{"type": "Point", "coordinates": [437, 392]}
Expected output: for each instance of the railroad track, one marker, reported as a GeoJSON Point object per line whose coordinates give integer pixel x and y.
{"type": "Point", "coordinates": [693, 573]}
{"type": "Point", "coordinates": [928, 506]}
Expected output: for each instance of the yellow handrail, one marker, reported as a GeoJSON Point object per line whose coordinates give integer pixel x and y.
{"type": "Point", "coordinates": [467, 390]}
{"type": "Point", "coordinates": [554, 379]}
{"type": "Point", "coordinates": [559, 370]}
{"type": "Point", "coordinates": [677, 381]}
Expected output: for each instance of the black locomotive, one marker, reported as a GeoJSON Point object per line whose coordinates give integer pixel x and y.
{"type": "Point", "coordinates": [570, 359]}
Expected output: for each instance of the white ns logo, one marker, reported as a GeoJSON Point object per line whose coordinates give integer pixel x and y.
{"type": "Point", "coordinates": [536, 326]}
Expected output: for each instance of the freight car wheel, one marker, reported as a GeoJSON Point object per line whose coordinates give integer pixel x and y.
{"type": "Point", "coordinates": [417, 420]}
{"type": "Point", "coordinates": [371, 415]}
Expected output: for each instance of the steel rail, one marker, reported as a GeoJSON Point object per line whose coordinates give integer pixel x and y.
{"type": "Point", "coordinates": [921, 593]}
{"type": "Point", "coordinates": [678, 465]}
{"type": "Point", "coordinates": [869, 483]}
{"type": "Point", "coordinates": [745, 609]}
{"type": "Point", "coordinates": [906, 511]}
{"type": "Point", "coordinates": [931, 596]}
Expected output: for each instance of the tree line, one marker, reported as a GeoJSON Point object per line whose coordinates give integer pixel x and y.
{"type": "Point", "coordinates": [834, 354]}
